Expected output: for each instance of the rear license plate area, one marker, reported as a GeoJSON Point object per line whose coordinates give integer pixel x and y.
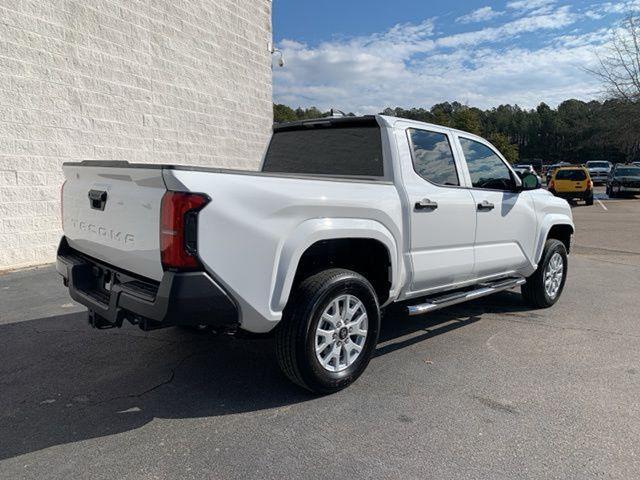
{"type": "Point", "coordinates": [98, 283]}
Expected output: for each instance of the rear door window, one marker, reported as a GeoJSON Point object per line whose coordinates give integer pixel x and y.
{"type": "Point", "coordinates": [573, 175]}
{"type": "Point", "coordinates": [433, 158]}
{"type": "Point", "coordinates": [340, 151]}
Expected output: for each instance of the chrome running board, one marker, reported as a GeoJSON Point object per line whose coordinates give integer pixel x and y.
{"type": "Point", "coordinates": [483, 290]}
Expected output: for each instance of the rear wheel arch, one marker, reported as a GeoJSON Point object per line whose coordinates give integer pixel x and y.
{"type": "Point", "coordinates": [367, 256]}
{"type": "Point", "coordinates": [337, 239]}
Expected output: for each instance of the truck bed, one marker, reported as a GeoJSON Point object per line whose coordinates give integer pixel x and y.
{"type": "Point", "coordinates": [254, 226]}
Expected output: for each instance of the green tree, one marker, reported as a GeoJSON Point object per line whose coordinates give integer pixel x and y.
{"type": "Point", "coordinates": [506, 148]}
{"type": "Point", "coordinates": [282, 113]}
{"type": "Point", "coordinates": [468, 120]}
{"type": "Point", "coordinates": [575, 131]}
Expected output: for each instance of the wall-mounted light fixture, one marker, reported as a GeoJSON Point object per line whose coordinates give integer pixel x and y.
{"type": "Point", "coordinates": [275, 51]}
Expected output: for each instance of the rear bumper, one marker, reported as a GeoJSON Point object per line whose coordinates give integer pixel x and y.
{"type": "Point", "coordinates": [599, 177]}
{"type": "Point", "coordinates": [191, 298]}
{"type": "Point", "coordinates": [574, 195]}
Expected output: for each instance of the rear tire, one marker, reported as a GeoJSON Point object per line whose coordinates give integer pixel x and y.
{"type": "Point", "coordinates": [589, 200]}
{"type": "Point", "coordinates": [325, 310]}
{"type": "Point", "coordinates": [544, 288]}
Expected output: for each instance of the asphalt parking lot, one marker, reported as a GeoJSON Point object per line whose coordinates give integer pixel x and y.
{"type": "Point", "coordinates": [487, 390]}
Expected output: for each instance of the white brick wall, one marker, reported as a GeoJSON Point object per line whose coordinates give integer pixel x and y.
{"type": "Point", "coordinates": [160, 81]}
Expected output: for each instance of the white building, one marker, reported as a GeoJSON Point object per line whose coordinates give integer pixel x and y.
{"type": "Point", "coordinates": [161, 81]}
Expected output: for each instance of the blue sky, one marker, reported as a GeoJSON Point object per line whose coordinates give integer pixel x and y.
{"type": "Point", "coordinates": [365, 55]}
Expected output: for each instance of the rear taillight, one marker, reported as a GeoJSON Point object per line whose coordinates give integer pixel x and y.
{"type": "Point", "coordinates": [552, 184]}
{"type": "Point", "coordinates": [179, 230]}
{"type": "Point", "coordinates": [62, 204]}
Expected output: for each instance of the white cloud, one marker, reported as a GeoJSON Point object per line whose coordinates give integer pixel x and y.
{"type": "Point", "coordinates": [600, 11]}
{"type": "Point", "coordinates": [410, 65]}
{"type": "Point", "coordinates": [526, 5]}
{"type": "Point", "coordinates": [483, 14]}
{"type": "Point", "coordinates": [554, 20]}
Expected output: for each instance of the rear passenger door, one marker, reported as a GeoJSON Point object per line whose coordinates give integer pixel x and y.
{"type": "Point", "coordinates": [506, 219]}
{"type": "Point", "coordinates": [441, 211]}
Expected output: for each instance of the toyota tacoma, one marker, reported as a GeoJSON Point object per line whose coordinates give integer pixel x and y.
{"type": "Point", "coordinates": [345, 217]}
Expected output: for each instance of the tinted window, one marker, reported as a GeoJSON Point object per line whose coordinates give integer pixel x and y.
{"type": "Point", "coordinates": [632, 172]}
{"type": "Point", "coordinates": [575, 175]}
{"type": "Point", "coordinates": [433, 157]}
{"type": "Point", "coordinates": [597, 165]}
{"type": "Point", "coordinates": [487, 170]}
{"type": "Point", "coordinates": [337, 151]}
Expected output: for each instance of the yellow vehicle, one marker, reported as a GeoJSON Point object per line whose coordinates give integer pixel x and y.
{"type": "Point", "coordinates": [572, 183]}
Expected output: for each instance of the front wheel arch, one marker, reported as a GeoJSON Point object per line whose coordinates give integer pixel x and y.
{"type": "Point", "coordinates": [562, 232]}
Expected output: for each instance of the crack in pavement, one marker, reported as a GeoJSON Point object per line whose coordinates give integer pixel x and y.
{"type": "Point", "coordinates": [601, 260]}
{"type": "Point", "coordinates": [172, 374]}
{"type": "Point", "coordinates": [586, 249]}
{"type": "Point", "coordinates": [559, 327]}
{"type": "Point", "coordinates": [143, 337]}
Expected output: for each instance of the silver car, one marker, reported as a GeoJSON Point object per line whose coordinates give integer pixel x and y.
{"type": "Point", "coordinates": [599, 171]}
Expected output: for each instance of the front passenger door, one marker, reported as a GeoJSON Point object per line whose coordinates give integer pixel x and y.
{"type": "Point", "coordinates": [506, 219]}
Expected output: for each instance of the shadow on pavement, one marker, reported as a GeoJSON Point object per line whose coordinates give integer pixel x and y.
{"type": "Point", "coordinates": [61, 382]}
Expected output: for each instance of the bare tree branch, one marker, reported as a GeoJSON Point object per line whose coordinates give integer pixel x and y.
{"type": "Point", "coordinates": [619, 64]}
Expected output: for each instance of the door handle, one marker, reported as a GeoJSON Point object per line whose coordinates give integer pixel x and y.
{"type": "Point", "coordinates": [426, 204]}
{"type": "Point", "coordinates": [485, 206]}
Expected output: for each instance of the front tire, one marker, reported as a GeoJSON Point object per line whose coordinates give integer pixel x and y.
{"type": "Point", "coordinates": [545, 286]}
{"type": "Point", "coordinates": [614, 193]}
{"type": "Point", "coordinates": [329, 331]}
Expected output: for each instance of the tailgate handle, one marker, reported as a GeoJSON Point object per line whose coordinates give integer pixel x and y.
{"type": "Point", "coordinates": [98, 199]}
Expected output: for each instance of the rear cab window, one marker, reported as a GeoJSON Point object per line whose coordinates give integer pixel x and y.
{"type": "Point", "coordinates": [573, 174]}
{"type": "Point", "coordinates": [343, 149]}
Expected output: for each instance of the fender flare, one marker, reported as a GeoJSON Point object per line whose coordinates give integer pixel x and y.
{"type": "Point", "coordinates": [551, 220]}
{"type": "Point", "coordinates": [315, 230]}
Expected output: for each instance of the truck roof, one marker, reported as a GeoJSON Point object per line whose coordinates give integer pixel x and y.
{"type": "Point", "coordinates": [365, 120]}
{"type": "Point", "coordinates": [362, 120]}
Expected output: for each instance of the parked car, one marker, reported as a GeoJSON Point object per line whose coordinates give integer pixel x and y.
{"type": "Point", "coordinates": [599, 171]}
{"type": "Point", "coordinates": [346, 217]}
{"type": "Point", "coordinates": [523, 170]}
{"type": "Point", "coordinates": [572, 183]}
{"type": "Point", "coordinates": [553, 168]}
{"type": "Point", "coordinates": [623, 179]}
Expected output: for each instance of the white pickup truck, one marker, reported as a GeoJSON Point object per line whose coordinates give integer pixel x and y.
{"type": "Point", "coordinates": [346, 216]}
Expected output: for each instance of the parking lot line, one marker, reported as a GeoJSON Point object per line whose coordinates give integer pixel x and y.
{"type": "Point", "coordinates": [601, 204]}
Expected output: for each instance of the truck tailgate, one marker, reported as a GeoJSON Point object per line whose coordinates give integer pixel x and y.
{"type": "Point", "coordinates": [113, 215]}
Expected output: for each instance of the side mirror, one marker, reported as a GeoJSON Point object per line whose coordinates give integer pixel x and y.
{"type": "Point", "coordinates": [530, 181]}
